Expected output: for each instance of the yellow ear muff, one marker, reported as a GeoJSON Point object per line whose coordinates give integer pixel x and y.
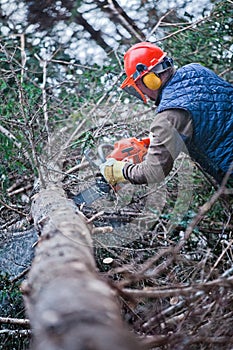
{"type": "Point", "coordinates": [152, 81]}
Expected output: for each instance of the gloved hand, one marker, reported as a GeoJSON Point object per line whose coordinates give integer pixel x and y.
{"type": "Point", "coordinates": [112, 171]}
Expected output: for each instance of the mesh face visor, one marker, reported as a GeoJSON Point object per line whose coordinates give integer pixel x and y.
{"type": "Point", "coordinates": [131, 88]}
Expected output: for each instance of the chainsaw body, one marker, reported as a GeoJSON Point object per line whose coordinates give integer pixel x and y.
{"type": "Point", "coordinates": [128, 150]}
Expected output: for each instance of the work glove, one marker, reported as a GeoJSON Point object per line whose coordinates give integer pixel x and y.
{"type": "Point", "coordinates": [112, 171]}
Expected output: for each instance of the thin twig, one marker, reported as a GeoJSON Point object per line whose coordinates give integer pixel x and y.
{"type": "Point", "coordinates": [22, 274]}
{"type": "Point", "coordinates": [204, 209]}
{"type": "Point", "coordinates": [158, 24]}
{"type": "Point", "coordinates": [10, 136]}
{"type": "Point", "coordinates": [16, 332]}
{"type": "Point", "coordinates": [198, 289]}
{"type": "Point", "coordinates": [220, 258]}
{"type": "Point", "coordinates": [18, 321]}
{"type": "Point", "coordinates": [11, 208]}
{"type": "Point", "coordinates": [80, 166]}
{"type": "Point", "coordinates": [183, 29]}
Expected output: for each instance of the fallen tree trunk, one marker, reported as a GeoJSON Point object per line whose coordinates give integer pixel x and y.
{"type": "Point", "coordinates": [68, 305]}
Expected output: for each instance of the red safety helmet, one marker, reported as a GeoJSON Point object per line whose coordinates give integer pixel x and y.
{"type": "Point", "coordinates": [138, 61]}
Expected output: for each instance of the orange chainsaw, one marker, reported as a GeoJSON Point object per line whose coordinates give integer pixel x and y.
{"type": "Point", "coordinates": [129, 150]}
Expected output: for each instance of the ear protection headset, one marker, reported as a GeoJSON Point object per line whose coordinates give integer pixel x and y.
{"type": "Point", "coordinates": [152, 81]}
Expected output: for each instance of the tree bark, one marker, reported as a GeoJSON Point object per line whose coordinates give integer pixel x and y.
{"type": "Point", "coordinates": [68, 304]}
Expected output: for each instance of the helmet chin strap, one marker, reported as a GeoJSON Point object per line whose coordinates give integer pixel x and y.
{"type": "Point", "coordinates": [156, 96]}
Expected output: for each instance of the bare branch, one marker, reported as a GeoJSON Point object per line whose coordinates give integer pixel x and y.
{"type": "Point", "coordinates": [182, 290]}
{"type": "Point", "coordinates": [10, 136]}
{"type": "Point", "coordinates": [17, 321]}
{"type": "Point", "coordinates": [15, 333]}
{"type": "Point", "coordinates": [183, 29]}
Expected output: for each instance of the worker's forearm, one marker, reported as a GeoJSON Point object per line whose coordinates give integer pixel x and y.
{"type": "Point", "coordinates": [166, 144]}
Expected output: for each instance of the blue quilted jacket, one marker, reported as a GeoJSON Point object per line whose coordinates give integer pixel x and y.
{"type": "Point", "coordinates": [208, 99]}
